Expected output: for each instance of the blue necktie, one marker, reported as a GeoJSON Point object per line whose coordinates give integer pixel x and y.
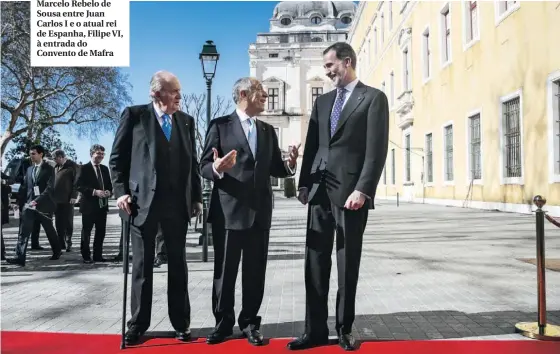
{"type": "Point", "coordinates": [166, 126]}
{"type": "Point", "coordinates": [337, 109]}
{"type": "Point", "coordinates": [251, 135]}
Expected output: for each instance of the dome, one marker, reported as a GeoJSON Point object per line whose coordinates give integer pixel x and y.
{"type": "Point", "coordinates": [302, 8]}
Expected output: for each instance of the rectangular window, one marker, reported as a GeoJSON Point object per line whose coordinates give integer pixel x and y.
{"type": "Point", "coordinates": [553, 122]}
{"type": "Point", "coordinates": [392, 89]}
{"type": "Point", "coordinates": [385, 176]}
{"type": "Point", "coordinates": [393, 174]}
{"type": "Point", "coordinates": [273, 55]}
{"type": "Point", "coordinates": [406, 77]}
{"type": "Point", "coordinates": [383, 86]}
{"type": "Point", "coordinates": [475, 165]}
{"type": "Point", "coordinates": [472, 20]}
{"type": "Point", "coordinates": [556, 116]}
{"type": "Point", "coordinates": [375, 42]}
{"type": "Point", "coordinates": [445, 35]}
{"type": "Point", "coordinates": [429, 159]}
{"type": "Point", "coordinates": [315, 92]}
{"type": "Point", "coordinates": [448, 166]}
{"type": "Point", "coordinates": [407, 157]}
{"type": "Point", "coordinates": [512, 138]}
{"type": "Point", "coordinates": [273, 100]}
{"type": "Point", "coordinates": [382, 29]}
{"type": "Point", "coordinates": [505, 6]}
{"type": "Point", "coordinates": [426, 53]}
{"type": "Point", "coordinates": [390, 12]}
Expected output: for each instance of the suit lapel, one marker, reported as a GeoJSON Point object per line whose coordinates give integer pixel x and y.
{"type": "Point", "coordinates": [183, 129]}
{"type": "Point", "coordinates": [149, 122]}
{"type": "Point", "coordinates": [261, 139]}
{"type": "Point", "coordinates": [354, 101]}
{"type": "Point", "coordinates": [237, 129]}
{"type": "Point", "coordinates": [326, 113]}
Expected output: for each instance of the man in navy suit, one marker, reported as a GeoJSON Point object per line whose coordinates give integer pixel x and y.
{"type": "Point", "coordinates": [39, 204]}
{"type": "Point", "coordinates": [241, 206]}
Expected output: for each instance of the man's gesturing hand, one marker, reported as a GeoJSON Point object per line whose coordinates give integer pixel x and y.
{"type": "Point", "coordinates": [294, 153]}
{"type": "Point", "coordinates": [222, 164]}
{"type": "Point", "coordinates": [124, 203]}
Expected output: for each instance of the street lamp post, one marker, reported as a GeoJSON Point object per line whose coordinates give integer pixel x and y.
{"type": "Point", "coordinates": [209, 59]}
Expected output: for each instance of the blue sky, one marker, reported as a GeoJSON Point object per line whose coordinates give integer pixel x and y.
{"type": "Point", "coordinates": [170, 35]}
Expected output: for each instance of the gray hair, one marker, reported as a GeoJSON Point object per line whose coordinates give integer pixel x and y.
{"type": "Point", "coordinates": [157, 81]}
{"type": "Point", "coordinates": [58, 153]}
{"type": "Point", "coordinates": [243, 84]}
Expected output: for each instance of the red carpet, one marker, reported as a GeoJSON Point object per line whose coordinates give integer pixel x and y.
{"type": "Point", "coordinates": [67, 343]}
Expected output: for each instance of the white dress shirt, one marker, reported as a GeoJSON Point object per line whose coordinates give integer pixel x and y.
{"type": "Point", "coordinates": [159, 115]}
{"type": "Point", "coordinates": [349, 88]}
{"type": "Point", "coordinates": [243, 119]}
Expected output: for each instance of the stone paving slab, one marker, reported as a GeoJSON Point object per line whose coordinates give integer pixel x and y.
{"type": "Point", "coordinates": [427, 272]}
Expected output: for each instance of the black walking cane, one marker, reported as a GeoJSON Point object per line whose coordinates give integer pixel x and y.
{"type": "Point", "coordinates": [126, 241]}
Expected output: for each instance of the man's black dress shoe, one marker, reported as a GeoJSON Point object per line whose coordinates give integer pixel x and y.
{"type": "Point", "coordinates": [183, 336]}
{"type": "Point", "coordinates": [16, 261]}
{"type": "Point", "coordinates": [133, 335]}
{"type": "Point", "coordinates": [100, 260]}
{"type": "Point", "coordinates": [218, 336]}
{"type": "Point", "coordinates": [37, 248]}
{"type": "Point", "coordinates": [347, 341]}
{"type": "Point", "coordinates": [68, 248]}
{"type": "Point", "coordinates": [88, 261]}
{"type": "Point", "coordinates": [306, 342]}
{"type": "Point", "coordinates": [56, 256]}
{"type": "Point", "coordinates": [253, 336]}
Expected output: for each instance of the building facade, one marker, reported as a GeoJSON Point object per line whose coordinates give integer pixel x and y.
{"type": "Point", "coordinates": [474, 95]}
{"type": "Point", "coordinates": [288, 60]}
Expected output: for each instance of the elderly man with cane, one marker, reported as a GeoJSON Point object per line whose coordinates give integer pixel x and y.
{"type": "Point", "coordinates": [155, 175]}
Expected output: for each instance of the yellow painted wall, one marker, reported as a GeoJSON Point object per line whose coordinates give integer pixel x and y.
{"type": "Point", "coordinates": [517, 54]}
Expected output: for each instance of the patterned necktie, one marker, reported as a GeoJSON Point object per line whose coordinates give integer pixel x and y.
{"type": "Point", "coordinates": [166, 126]}
{"type": "Point", "coordinates": [335, 115]}
{"type": "Point", "coordinates": [251, 135]}
{"type": "Point", "coordinates": [35, 169]}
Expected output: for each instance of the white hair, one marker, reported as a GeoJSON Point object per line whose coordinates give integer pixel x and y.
{"type": "Point", "coordinates": [243, 84]}
{"type": "Point", "coordinates": [157, 81]}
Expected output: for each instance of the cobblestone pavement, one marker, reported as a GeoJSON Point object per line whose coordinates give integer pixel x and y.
{"type": "Point", "coordinates": [427, 272]}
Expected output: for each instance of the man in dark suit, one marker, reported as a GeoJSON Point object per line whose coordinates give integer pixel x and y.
{"type": "Point", "coordinates": [39, 204]}
{"type": "Point", "coordinates": [5, 196]}
{"type": "Point", "coordinates": [156, 178]}
{"type": "Point", "coordinates": [94, 184]}
{"type": "Point", "coordinates": [241, 206]}
{"type": "Point", "coordinates": [343, 158]}
{"type": "Point", "coordinates": [65, 194]}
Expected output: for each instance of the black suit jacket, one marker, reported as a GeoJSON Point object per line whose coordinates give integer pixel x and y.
{"type": "Point", "coordinates": [45, 182]}
{"type": "Point", "coordinates": [354, 157]}
{"type": "Point", "coordinates": [244, 194]}
{"type": "Point", "coordinates": [132, 160]}
{"type": "Point", "coordinates": [87, 183]}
